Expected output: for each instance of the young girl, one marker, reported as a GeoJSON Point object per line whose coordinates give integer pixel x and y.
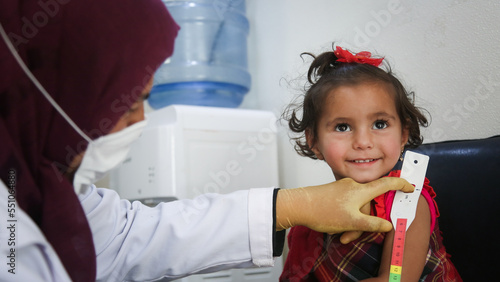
{"type": "Point", "coordinates": [358, 118]}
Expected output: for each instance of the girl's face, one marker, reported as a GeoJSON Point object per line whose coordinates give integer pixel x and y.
{"type": "Point", "coordinates": [359, 134]}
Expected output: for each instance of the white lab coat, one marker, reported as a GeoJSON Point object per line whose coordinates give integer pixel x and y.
{"type": "Point", "coordinates": [139, 243]}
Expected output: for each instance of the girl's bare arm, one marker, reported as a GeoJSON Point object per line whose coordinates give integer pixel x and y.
{"type": "Point", "coordinates": [416, 247]}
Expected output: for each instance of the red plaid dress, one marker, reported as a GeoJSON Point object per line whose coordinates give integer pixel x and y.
{"type": "Point", "coordinates": [315, 256]}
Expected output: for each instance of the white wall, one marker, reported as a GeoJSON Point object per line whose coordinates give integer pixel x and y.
{"type": "Point", "coordinates": [446, 51]}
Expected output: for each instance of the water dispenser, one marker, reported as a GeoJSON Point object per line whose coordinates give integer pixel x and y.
{"type": "Point", "coordinates": [209, 63]}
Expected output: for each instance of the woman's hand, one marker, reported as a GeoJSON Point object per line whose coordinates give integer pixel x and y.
{"type": "Point", "coordinates": [336, 207]}
{"type": "Point", "coordinates": [350, 236]}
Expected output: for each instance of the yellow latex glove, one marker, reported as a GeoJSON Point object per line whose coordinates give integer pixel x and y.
{"type": "Point", "coordinates": [336, 207]}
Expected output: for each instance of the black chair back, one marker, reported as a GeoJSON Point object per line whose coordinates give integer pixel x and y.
{"type": "Point", "coordinates": [466, 177]}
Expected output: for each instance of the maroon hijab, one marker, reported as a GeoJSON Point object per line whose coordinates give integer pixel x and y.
{"type": "Point", "coordinates": [94, 57]}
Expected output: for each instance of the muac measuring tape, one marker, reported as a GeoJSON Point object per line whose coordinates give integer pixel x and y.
{"type": "Point", "coordinates": [404, 208]}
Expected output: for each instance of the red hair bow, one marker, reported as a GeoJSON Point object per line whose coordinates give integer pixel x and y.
{"type": "Point", "coordinates": [364, 57]}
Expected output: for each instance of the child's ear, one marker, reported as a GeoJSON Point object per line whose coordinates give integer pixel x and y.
{"type": "Point", "coordinates": [404, 136]}
{"type": "Point", "coordinates": [311, 142]}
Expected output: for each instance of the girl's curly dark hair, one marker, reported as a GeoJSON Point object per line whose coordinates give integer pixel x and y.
{"type": "Point", "coordinates": [326, 74]}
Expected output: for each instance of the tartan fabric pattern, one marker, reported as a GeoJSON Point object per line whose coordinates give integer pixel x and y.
{"type": "Point", "coordinates": [315, 256]}
{"type": "Point", "coordinates": [438, 266]}
{"type": "Point", "coordinates": [351, 262]}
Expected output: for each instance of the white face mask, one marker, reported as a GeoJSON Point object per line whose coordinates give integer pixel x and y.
{"type": "Point", "coordinates": [105, 153]}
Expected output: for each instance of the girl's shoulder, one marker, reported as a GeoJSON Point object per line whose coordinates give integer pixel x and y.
{"type": "Point", "coordinates": [382, 205]}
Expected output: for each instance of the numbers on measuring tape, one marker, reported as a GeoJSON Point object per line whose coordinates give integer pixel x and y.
{"type": "Point", "coordinates": [398, 250]}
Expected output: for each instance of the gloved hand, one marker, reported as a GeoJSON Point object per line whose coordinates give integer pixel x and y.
{"type": "Point", "coordinates": [336, 207]}
{"type": "Point", "coordinates": [350, 236]}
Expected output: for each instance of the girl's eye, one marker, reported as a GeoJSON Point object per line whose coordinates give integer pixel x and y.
{"type": "Point", "coordinates": [343, 127]}
{"type": "Point", "coordinates": [380, 124]}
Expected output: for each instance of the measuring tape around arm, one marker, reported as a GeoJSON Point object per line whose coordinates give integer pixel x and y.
{"type": "Point", "coordinates": [404, 208]}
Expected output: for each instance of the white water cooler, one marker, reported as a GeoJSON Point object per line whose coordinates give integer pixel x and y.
{"type": "Point", "coordinates": [186, 151]}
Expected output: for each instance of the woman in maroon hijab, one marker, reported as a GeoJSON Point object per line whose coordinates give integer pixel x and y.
{"type": "Point", "coordinates": [96, 60]}
{"type": "Point", "coordinates": [91, 56]}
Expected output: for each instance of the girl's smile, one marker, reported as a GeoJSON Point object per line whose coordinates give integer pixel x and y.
{"type": "Point", "coordinates": [363, 161]}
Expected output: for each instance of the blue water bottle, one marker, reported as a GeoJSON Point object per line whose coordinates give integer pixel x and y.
{"type": "Point", "coordinates": [209, 63]}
